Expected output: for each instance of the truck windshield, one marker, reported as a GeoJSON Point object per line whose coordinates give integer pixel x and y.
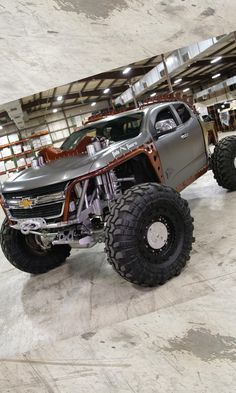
{"type": "Point", "coordinates": [119, 129]}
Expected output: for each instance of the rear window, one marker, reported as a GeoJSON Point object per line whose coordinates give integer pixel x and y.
{"type": "Point", "coordinates": [183, 112]}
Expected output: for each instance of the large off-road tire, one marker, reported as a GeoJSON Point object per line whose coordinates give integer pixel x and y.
{"type": "Point", "coordinates": [224, 163]}
{"type": "Point", "coordinates": [23, 252]}
{"type": "Point", "coordinates": [149, 234]}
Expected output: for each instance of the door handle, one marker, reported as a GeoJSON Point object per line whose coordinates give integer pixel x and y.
{"type": "Point", "coordinates": [185, 135]}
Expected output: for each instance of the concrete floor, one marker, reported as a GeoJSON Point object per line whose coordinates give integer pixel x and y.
{"type": "Point", "coordinates": [96, 332]}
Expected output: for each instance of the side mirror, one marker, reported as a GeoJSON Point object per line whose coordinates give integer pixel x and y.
{"type": "Point", "coordinates": [165, 126]}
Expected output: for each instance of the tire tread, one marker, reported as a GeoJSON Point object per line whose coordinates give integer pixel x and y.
{"type": "Point", "coordinates": [119, 246]}
{"type": "Point", "coordinates": [18, 257]}
{"type": "Point", "coordinates": [223, 170]}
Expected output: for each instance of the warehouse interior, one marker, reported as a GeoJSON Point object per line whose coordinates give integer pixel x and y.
{"type": "Point", "coordinates": [81, 327]}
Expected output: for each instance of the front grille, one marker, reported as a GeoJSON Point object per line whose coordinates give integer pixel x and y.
{"type": "Point", "coordinates": [51, 189]}
{"type": "Point", "coordinates": [43, 211]}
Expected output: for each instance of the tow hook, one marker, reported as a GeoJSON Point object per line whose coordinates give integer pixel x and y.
{"type": "Point", "coordinates": [28, 226]}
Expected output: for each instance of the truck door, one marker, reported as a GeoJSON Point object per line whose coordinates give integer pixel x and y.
{"type": "Point", "coordinates": [182, 150]}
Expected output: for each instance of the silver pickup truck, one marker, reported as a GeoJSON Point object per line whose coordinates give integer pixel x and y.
{"type": "Point", "coordinates": [116, 180]}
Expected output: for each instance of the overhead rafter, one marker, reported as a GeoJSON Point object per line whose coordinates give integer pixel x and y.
{"type": "Point", "coordinates": [201, 71]}
{"type": "Point", "coordinates": [118, 74]}
{"type": "Point", "coordinates": [71, 96]}
{"type": "Point", "coordinates": [226, 49]}
{"type": "Point", "coordinates": [68, 105]}
{"type": "Point", "coordinates": [54, 98]}
{"type": "Point", "coordinates": [207, 62]}
{"type": "Point", "coordinates": [85, 85]}
{"type": "Point", "coordinates": [40, 96]}
{"type": "Point", "coordinates": [113, 91]}
{"type": "Point", "coordinates": [96, 89]}
{"type": "Point", "coordinates": [150, 60]}
{"type": "Point", "coordinates": [99, 84]}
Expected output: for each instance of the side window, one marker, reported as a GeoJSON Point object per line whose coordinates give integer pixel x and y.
{"type": "Point", "coordinates": [165, 120]}
{"type": "Point", "coordinates": [183, 112]}
{"type": "Point", "coordinates": [165, 114]}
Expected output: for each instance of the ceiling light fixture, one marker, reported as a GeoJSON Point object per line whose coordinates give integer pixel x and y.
{"type": "Point", "coordinates": [215, 76]}
{"type": "Point", "coordinates": [153, 94]}
{"type": "Point", "coordinates": [216, 59]}
{"type": "Point", "coordinates": [106, 90]}
{"type": "Point", "coordinates": [54, 110]}
{"type": "Point", "coordinates": [178, 80]}
{"type": "Point", "coordinates": [187, 89]}
{"type": "Point", "coordinates": [93, 104]}
{"type": "Point", "coordinates": [126, 70]}
{"type": "Point", "coordinates": [1, 127]}
{"type": "Point", "coordinates": [59, 98]}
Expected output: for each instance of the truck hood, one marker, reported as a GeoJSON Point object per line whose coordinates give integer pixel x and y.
{"type": "Point", "coordinates": [69, 168]}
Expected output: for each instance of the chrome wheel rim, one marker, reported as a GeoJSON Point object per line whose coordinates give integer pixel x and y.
{"type": "Point", "coordinates": [157, 235]}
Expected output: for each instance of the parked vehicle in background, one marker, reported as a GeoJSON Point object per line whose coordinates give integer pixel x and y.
{"type": "Point", "coordinates": [116, 180]}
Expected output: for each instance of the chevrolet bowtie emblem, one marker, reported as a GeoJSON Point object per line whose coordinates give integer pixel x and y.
{"type": "Point", "coordinates": [26, 203]}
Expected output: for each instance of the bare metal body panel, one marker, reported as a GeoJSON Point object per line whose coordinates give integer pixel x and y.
{"type": "Point", "coordinates": [71, 167]}
{"type": "Point", "coordinates": [182, 152]}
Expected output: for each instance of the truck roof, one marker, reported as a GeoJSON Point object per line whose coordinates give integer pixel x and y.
{"type": "Point", "coordinates": [129, 112]}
